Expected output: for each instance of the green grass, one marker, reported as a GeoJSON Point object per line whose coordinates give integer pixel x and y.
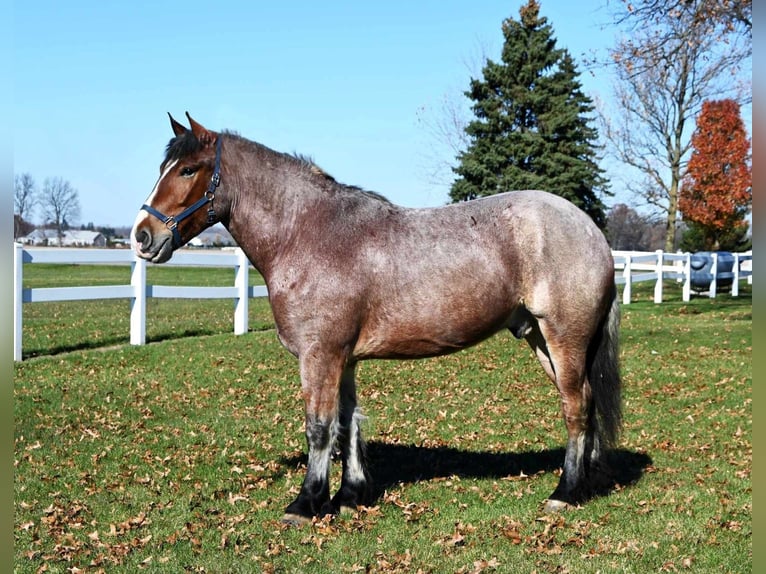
{"type": "Point", "coordinates": [180, 455]}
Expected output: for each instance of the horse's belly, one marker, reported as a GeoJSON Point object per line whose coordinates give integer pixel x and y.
{"type": "Point", "coordinates": [420, 334]}
{"type": "Point", "coordinates": [407, 347]}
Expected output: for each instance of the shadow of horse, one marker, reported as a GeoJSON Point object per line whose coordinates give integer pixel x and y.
{"type": "Point", "coordinates": [109, 343]}
{"type": "Point", "coordinates": [395, 464]}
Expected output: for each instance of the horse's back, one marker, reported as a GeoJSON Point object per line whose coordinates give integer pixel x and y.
{"type": "Point", "coordinates": [537, 229]}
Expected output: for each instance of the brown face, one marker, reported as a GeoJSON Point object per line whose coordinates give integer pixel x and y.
{"type": "Point", "coordinates": [162, 225]}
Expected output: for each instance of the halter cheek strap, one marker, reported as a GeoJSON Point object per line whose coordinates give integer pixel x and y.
{"type": "Point", "coordinates": [172, 221]}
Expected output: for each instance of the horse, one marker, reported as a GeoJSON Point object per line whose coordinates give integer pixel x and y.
{"type": "Point", "coordinates": [351, 276]}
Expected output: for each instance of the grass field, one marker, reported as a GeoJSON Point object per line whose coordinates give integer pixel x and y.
{"type": "Point", "coordinates": [180, 455]}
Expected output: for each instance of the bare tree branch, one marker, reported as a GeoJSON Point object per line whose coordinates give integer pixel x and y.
{"type": "Point", "coordinates": [676, 55]}
{"type": "Point", "coordinates": [24, 200]}
{"type": "Point", "coordinates": [61, 205]}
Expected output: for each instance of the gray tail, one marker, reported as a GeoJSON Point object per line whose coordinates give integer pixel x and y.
{"type": "Point", "coordinates": [604, 376]}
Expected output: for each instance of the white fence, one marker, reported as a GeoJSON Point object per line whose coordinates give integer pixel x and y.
{"type": "Point", "coordinates": [638, 266]}
{"type": "Point", "coordinates": [631, 267]}
{"type": "Point", "coordinates": [137, 291]}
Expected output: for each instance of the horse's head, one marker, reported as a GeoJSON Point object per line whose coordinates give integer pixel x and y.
{"type": "Point", "coordinates": [181, 204]}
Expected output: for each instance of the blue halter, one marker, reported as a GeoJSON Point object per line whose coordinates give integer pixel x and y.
{"type": "Point", "coordinates": [172, 221]}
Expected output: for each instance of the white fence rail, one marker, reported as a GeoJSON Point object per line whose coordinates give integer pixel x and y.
{"type": "Point", "coordinates": [137, 291]}
{"type": "Point", "coordinates": [638, 266]}
{"type": "Point", "coordinates": [630, 267]}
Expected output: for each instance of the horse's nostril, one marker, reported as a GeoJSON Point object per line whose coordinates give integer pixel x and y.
{"type": "Point", "coordinates": [144, 239]}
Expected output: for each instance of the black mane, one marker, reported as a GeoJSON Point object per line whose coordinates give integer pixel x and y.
{"type": "Point", "coordinates": [182, 146]}
{"type": "Point", "coordinates": [185, 145]}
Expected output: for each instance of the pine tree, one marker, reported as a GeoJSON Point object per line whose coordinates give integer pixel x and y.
{"type": "Point", "coordinates": [532, 127]}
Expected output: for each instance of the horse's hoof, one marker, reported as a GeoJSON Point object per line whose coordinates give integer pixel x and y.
{"type": "Point", "coordinates": [295, 520]}
{"type": "Point", "coordinates": [552, 506]}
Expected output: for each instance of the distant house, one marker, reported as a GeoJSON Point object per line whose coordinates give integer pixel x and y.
{"type": "Point", "coordinates": [37, 237]}
{"type": "Point", "coordinates": [216, 236]}
{"type": "Point", "coordinates": [71, 238]}
{"type": "Point", "coordinates": [120, 242]}
{"type": "Point", "coordinates": [84, 238]}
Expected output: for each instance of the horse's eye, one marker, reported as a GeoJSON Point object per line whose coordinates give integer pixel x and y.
{"type": "Point", "coordinates": [188, 171]}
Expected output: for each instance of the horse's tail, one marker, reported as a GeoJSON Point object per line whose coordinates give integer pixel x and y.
{"type": "Point", "coordinates": [604, 376]}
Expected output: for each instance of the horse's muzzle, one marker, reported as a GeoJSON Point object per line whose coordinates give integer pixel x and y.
{"type": "Point", "coordinates": [157, 248]}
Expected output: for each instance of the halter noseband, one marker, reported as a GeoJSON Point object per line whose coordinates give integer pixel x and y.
{"type": "Point", "coordinates": [172, 221]}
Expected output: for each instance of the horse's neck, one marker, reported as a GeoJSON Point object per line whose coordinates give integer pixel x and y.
{"type": "Point", "coordinates": [265, 214]}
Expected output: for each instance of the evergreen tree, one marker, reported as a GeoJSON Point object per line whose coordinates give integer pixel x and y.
{"type": "Point", "coordinates": [532, 127]}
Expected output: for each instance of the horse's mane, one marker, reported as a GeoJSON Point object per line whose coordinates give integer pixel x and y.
{"type": "Point", "coordinates": [187, 144]}
{"type": "Point", "coordinates": [307, 162]}
{"type": "Point", "coordinates": [182, 146]}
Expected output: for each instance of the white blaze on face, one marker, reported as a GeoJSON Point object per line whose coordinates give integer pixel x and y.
{"type": "Point", "coordinates": [143, 214]}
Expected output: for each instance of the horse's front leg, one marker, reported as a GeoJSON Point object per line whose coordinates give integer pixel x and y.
{"type": "Point", "coordinates": [320, 382]}
{"type": "Point", "coordinates": [355, 485]}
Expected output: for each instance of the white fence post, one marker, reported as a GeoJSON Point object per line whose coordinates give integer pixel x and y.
{"type": "Point", "coordinates": [658, 284]}
{"type": "Point", "coordinates": [626, 272]}
{"type": "Point", "coordinates": [714, 280]}
{"type": "Point", "coordinates": [735, 282]}
{"type": "Point", "coordinates": [138, 302]}
{"type": "Point", "coordinates": [241, 281]}
{"type": "Point", "coordinates": [687, 289]}
{"type": "Point", "coordinates": [18, 293]}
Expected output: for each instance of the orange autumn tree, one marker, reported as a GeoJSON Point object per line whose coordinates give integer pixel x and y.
{"type": "Point", "coordinates": [717, 189]}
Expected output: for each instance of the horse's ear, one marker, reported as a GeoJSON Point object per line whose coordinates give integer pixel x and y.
{"type": "Point", "coordinates": [205, 136]}
{"type": "Point", "coordinates": [178, 128]}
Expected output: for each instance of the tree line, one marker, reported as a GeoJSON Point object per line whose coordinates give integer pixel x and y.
{"type": "Point", "coordinates": [678, 63]}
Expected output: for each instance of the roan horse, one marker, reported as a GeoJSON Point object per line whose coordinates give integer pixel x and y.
{"type": "Point", "coordinates": [351, 276]}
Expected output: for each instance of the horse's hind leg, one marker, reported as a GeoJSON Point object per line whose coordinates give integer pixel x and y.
{"type": "Point", "coordinates": [355, 484]}
{"type": "Point", "coordinates": [564, 361]}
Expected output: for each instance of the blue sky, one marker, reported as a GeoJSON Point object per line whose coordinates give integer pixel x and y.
{"type": "Point", "coordinates": [344, 82]}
